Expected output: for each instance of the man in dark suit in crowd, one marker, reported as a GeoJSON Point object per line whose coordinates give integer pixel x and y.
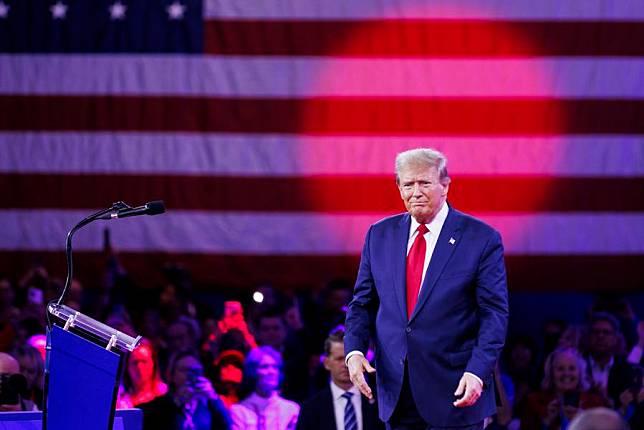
{"type": "Point", "coordinates": [431, 290]}
{"type": "Point", "coordinates": [608, 372]}
{"type": "Point", "coordinates": [340, 405]}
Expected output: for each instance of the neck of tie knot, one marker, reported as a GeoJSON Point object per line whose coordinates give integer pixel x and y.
{"type": "Point", "coordinates": [422, 229]}
{"type": "Point", "coordinates": [347, 395]}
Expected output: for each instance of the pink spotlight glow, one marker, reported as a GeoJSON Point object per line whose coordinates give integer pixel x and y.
{"type": "Point", "coordinates": [378, 96]}
{"type": "Point", "coordinates": [38, 341]}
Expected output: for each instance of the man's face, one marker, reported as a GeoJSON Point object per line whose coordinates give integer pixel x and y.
{"type": "Point", "coordinates": [603, 338]}
{"type": "Point", "coordinates": [185, 369]}
{"type": "Point", "coordinates": [334, 363]}
{"type": "Point", "coordinates": [421, 191]}
{"type": "Point", "coordinates": [272, 332]}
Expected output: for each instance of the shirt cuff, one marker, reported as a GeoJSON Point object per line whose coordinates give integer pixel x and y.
{"type": "Point", "coordinates": [477, 378]}
{"type": "Point", "coordinates": [351, 354]}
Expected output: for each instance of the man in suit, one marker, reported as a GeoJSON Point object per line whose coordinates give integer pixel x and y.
{"type": "Point", "coordinates": [340, 405]}
{"type": "Point", "coordinates": [431, 292]}
{"type": "Point", "coordinates": [609, 373]}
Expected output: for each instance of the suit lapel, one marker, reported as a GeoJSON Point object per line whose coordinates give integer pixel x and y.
{"type": "Point", "coordinates": [445, 246]}
{"type": "Point", "coordinates": [327, 413]}
{"type": "Point", "coordinates": [399, 255]}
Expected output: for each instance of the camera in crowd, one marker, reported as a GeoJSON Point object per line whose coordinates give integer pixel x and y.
{"type": "Point", "coordinates": [12, 387]}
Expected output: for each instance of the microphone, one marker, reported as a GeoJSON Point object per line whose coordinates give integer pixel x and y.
{"type": "Point", "coordinates": [151, 208]}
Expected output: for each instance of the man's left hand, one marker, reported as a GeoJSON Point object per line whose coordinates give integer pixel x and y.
{"type": "Point", "coordinates": [472, 388]}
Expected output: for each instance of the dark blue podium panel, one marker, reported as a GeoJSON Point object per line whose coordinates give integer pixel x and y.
{"type": "Point", "coordinates": [82, 383]}
{"type": "Point", "coordinates": [126, 419]}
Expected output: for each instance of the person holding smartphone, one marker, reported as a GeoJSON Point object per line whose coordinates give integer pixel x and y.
{"type": "Point", "coordinates": [565, 392]}
{"type": "Point", "coordinates": [191, 402]}
{"type": "Point", "coordinates": [632, 400]}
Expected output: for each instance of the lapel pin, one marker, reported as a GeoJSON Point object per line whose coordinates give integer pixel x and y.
{"type": "Point", "coordinates": [452, 241]}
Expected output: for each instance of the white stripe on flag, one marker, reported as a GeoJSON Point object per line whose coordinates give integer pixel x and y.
{"type": "Point", "coordinates": [308, 77]}
{"type": "Point", "coordinates": [289, 155]}
{"type": "Point", "coordinates": [310, 234]}
{"type": "Point", "coordinates": [604, 10]}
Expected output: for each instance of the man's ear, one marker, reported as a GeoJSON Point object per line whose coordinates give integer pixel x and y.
{"type": "Point", "coordinates": [445, 189]}
{"type": "Point", "coordinates": [325, 362]}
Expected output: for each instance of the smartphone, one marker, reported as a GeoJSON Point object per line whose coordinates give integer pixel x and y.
{"type": "Point", "coordinates": [233, 314]}
{"type": "Point", "coordinates": [571, 398]}
{"type": "Point", "coordinates": [193, 376]}
{"type": "Point", "coordinates": [233, 309]}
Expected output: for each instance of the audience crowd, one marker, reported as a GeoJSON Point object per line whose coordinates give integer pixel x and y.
{"type": "Point", "coordinates": [277, 363]}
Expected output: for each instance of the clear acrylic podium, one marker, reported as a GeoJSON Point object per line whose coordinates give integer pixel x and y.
{"type": "Point", "coordinates": [83, 367]}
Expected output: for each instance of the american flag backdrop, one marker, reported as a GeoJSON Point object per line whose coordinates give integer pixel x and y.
{"type": "Point", "coordinates": [269, 127]}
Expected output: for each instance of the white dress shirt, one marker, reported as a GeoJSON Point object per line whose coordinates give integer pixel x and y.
{"type": "Point", "coordinates": [431, 237]}
{"type": "Point", "coordinates": [339, 403]}
{"type": "Point", "coordinates": [600, 374]}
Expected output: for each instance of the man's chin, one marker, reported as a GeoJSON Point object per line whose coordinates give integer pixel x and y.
{"type": "Point", "coordinates": [422, 217]}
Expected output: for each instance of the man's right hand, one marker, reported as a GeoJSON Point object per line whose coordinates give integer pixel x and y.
{"type": "Point", "coordinates": [357, 365]}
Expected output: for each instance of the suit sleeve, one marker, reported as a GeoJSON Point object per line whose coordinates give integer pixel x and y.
{"type": "Point", "coordinates": [305, 420]}
{"type": "Point", "coordinates": [363, 307]}
{"type": "Point", "coordinates": [219, 415]}
{"type": "Point", "coordinates": [492, 301]}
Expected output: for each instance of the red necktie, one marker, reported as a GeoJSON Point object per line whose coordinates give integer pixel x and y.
{"type": "Point", "coordinates": [415, 263]}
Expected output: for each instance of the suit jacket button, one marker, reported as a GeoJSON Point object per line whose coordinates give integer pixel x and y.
{"type": "Point", "coordinates": [408, 329]}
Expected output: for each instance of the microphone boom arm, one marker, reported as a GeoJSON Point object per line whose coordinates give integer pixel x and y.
{"type": "Point", "coordinates": [68, 244]}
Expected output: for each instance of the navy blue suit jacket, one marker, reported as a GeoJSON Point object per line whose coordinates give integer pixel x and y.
{"type": "Point", "coordinates": [458, 325]}
{"type": "Point", "coordinates": [318, 413]}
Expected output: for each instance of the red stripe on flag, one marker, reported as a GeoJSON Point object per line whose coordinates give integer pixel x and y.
{"type": "Point", "coordinates": [311, 194]}
{"type": "Point", "coordinates": [424, 38]}
{"type": "Point", "coordinates": [608, 273]}
{"type": "Point", "coordinates": [371, 116]}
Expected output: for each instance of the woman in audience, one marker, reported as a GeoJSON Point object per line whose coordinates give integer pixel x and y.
{"type": "Point", "coordinates": [142, 378]}
{"type": "Point", "coordinates": [564, 393]}
{"type": "Point", "coordinates": [263, 408]}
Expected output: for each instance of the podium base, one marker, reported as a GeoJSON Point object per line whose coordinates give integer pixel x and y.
{"type": "Point", "coordinates": [125, 419]}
